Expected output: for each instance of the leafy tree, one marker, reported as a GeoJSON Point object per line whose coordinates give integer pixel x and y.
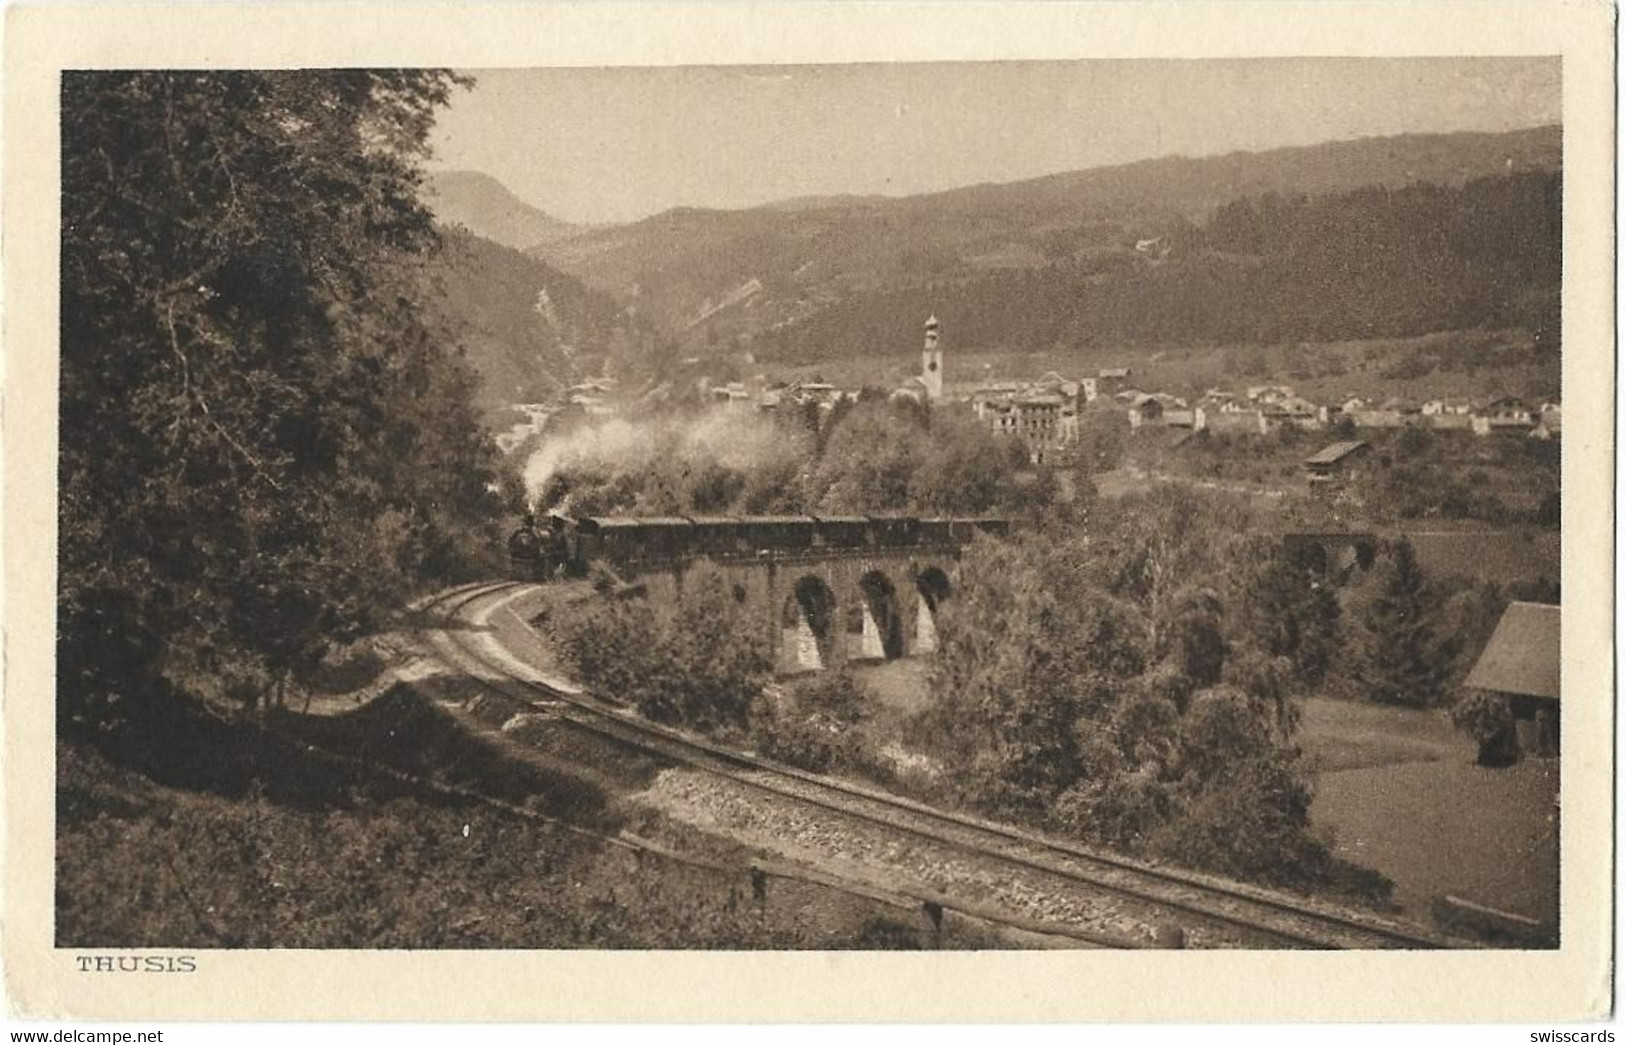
{"type": "Point", "coordinates": [1290, 610]}
{"type": "Point", "coordinates": [869, 460]}
{"type": "Point", "coordinates": [1199, 637]}
{"type": "Point", "coordinates": [965, 468]}
{"type": "Point", "coordinates": [1148, 549]}
{"type": "Point", "coordinates": [1020, 655]}
{"type": "Point", "coordinates": [264, 440]}
{"type": "Point", "coordinates": [1255, 823]}
{"type": "Point", "coordinates": [697, 659]}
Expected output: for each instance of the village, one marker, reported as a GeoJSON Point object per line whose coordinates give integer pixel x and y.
{"type": "Point", "coordinates": [1047, 413]}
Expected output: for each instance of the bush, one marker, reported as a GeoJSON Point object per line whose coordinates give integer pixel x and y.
{"type": "Point", "coordinates": [835, 694]}
{"type": "Point", "coordinates": [696, 660]}
{"type": "Point", "coordinates": [812, 744]}
{"type": "Point", "coordinates": [1225, 726]}
{"type": "Point", "coordinates": [816, 729]}
{"type": "Point", "coordinates": [1252, 821]}
{"type": "Point", "coordinates": [1488, 719]}
{"type": "Point", "coordinates": [1123, 811]}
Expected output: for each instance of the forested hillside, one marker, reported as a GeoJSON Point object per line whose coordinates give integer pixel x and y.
{"type": "Point", "coordinates": [1371, 263]}
{"type": "Point", "coordinates": [528, 330]}
{"type": "Point", "coordinates": [814, 254]}
{"type": "Point", "coordinates": [484, 206]}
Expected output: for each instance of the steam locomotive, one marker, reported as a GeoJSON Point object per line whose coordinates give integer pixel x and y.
{"type": "Point", "coordinates": [566, 546]}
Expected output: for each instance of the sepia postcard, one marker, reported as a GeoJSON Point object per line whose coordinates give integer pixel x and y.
{"type": "Point", "coordinates": [808, 512]}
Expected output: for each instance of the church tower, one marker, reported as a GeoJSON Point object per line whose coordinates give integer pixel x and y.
{"type": "Point", "coordinates": [931, 363]}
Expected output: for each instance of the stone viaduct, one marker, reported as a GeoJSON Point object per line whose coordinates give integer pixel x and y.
{"type": "Point", "coordinates": [820, 608]}
{"type": "Point", "coordinates": [824, 590]}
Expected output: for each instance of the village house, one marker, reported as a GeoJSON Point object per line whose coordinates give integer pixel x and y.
{"type": "Point", "coordinates": [1268, 394]}
{"type": "Point", "coordinates": [1047, 424]}
{"type": "Point", "coordinates": [1551, 422]}
{"type": "Point", "coordinates": [1446, 407]}
{"type": "Point", "coordinates": [1290, 410]}
{"type": "Point", "coordinates": [733, 395]}
{"type": "Point", "coordinates": [1522, 664]}
{"type": "Point", "coordinates": [1408, 410]}
{"type": "Point", "coordinates": [1152, 408]}
{"type": "Point", "coordinates": [1508, 415]}
{"type": "Point", "coordinates": [1395, 412]}
{"type": "Point", "coordinates": [1229, 419]}
{"type": "Point", "coordinates": [1336, 462]}
{"type": "Point", "coordinates": [1112, 380]}
{"type": "Point", "coordinates": [1042, 413]}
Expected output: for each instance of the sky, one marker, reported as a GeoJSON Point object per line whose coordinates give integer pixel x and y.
{"type": "Point", "coordinates": [618, 144]}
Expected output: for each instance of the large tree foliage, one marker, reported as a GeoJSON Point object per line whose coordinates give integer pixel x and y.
{"type": "Point", "coordinates": [262, 440]}
{"type": "Point", "coordinates": [1401, 656]}
{"type": "Point", "coordinates": [874, 456]}
{"type": "Point", "coordinates": [1023, 660]}
{"type": "Point", "coordinates": [698, 658]}
{"type": "Point", "coordinates": [1091, 683]}
{"type": "Point", "coordinates": [1293, 612]}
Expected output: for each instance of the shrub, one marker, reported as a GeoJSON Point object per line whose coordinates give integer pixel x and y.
{"type": "Point", "coordinates": [835, 693]}
{"type": "Point", "coordinates": [805, 743]}
{"type": "Point", "coordinates": [1225, 726]}
{"type": "Point", "coordinates": [695, 660]}
{"type": "Point", "coordinates": [1146, 726]}
{"type": "Point", "coordinates": [1251, 820]}
{"type": "Point", "coordinates": [1123, 811]}
{"type": "Point", "coordinates": [1488, 719]}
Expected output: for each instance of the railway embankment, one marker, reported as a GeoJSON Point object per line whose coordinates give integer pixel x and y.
{"type": "Point", "coordinates": [832, 827]}
{"type": "Point", "coordinates": [417, 812]}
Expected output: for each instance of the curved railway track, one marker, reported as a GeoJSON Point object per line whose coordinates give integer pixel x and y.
{"type": "Point", "coordinates": [1210, 911]}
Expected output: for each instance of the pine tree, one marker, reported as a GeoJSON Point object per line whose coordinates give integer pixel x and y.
{"type": "Point", "coordinates": [1403, 661]}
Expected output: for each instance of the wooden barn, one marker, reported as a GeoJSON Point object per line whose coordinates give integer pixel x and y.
{"type": "Point", "coordinates": [1522, 663]}
{"type": "Point", "coordinates": [1335, 461]}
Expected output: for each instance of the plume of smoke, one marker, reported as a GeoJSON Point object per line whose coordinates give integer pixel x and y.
{"type": "Point", "coordinates": [740, 441]}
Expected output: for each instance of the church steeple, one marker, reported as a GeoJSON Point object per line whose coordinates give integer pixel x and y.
{"type": "Point", "coordinates": [931, 362]}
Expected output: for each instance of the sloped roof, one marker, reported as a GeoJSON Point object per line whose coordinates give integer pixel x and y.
{"type": "Point", "coordinates": [1522, 656]}
{"type": "Point", "coordinates": [1334, 453]}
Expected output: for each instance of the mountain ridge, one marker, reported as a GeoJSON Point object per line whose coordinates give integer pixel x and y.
{"type": "Point", "coordinates": [483, 205]}
{"type": "Point", "coordinates": [806, 257]}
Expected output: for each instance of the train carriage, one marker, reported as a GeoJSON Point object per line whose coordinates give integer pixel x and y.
{"type": "Point", "coordinates": [936, 531]}
{"type": "Point", "coordinates": [718, 536]}
{"type": "Point", "coordinates": [780, 534]}
{"type": "Point", "coordinates": [891, 531]}
{"type": "Point", "coordinates": [569, 546]}
{"type": "Point", "coordinates": [635, 541]}
{"type": "Point", "coordinates": [843, 531]}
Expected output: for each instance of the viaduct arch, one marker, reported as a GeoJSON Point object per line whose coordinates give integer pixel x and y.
{"type": "Point", "coordinates": [817, 611]}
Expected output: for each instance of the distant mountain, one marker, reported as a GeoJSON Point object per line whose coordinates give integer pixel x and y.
{"type": "Point", "coordinates": [528, 329]}
{"type": "Point", "coordinates": [813, 255]}
{"type": "Point", "coordinates": [485, 207]}
{"type": "Point", "coordinates": [820, 202]}
{"type": "Point", "coordinates": [1370, 263]}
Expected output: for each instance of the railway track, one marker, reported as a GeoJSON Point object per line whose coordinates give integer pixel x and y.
{"type": "Point", "coordinates": [1209, 912]}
